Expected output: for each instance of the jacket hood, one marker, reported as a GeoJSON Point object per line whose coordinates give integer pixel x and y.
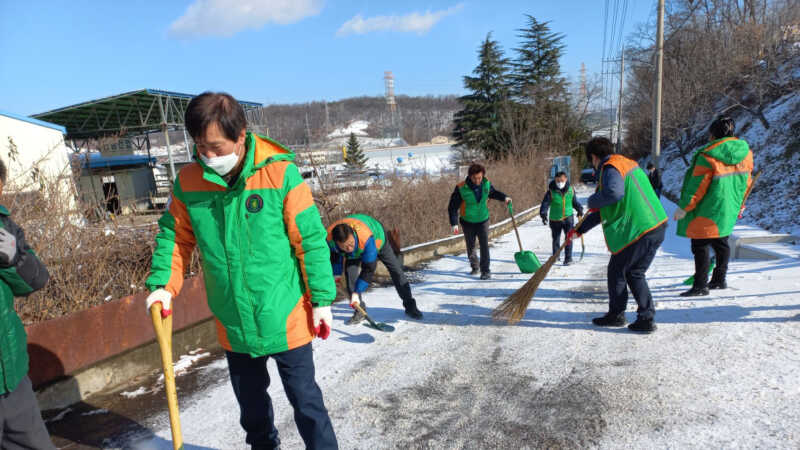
{"type": "Point", "coordinates": [730, 151]}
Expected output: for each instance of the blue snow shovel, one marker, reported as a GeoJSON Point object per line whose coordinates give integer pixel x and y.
{"type": "Point", "coordinates": [526, 259]}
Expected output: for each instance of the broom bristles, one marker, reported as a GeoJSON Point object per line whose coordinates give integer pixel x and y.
{"type": "Point", "coordinates": [512, 309]}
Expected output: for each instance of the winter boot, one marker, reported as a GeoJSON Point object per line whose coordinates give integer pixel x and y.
{"type": "Point", "coordinates": [486, 275]}
{"type": "Point", "coordinates": [357, 316]}
{"type": "Point", "coordinates": [411, 309]}
{"type": "Point", "coordinates": [568, 262]}
{"type": "Point", "coordinates": [610, 320]}
{"type": "Point", "coordinates": [473, 263]}
{"type": "Point", "coordinates": [695, 292]}
{"type": "Point", "coordinates": [718, 280]}
{"type": "Point", "coordinates": [643, 325]}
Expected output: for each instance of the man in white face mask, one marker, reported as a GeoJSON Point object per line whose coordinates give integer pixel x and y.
{"type": "Point", "coordinates": [557, 206]}
{"type": "Point", "coordinates": [266, 265]}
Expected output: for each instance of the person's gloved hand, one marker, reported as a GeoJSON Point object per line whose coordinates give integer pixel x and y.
{"type": "Point", "coordinates": [741, 211]}
{"type": "Point", "coordinates": [322, 321]}
{"type": "Point", "coordinates": [544, 220]}
{"type": "Point", "coordinates": [8, 247]}
{"type": "Point", "coordinates": [508, 200]}
{"type": "Point", "coordinates": [160, 296]}
{"type": "Point", "coordinates": [455, 229]}
{"type": "Point", "coordinates": [679, 214]}
{"type": "Point", "coordinates": [572, 234]}
{"type": "Point", "coordinates": [592, 210]}
{"type": "Point", "coordinates": [355, 300]}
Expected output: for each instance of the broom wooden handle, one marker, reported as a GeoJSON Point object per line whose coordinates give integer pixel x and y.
{"type": "Point", "coordinates": [514, 222]}
{"type": "Point", "coordinates": [750, 188]}
{"type": "Point", "coordinates": [366, 316]}
{"type": "Point", "coordinates": [163, 329]}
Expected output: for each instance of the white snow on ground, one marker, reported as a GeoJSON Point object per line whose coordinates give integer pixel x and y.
{"type": "Point", "coordinates": [135, 393]}
{"type": "Point", "coordinates": [186, 361]}
{"type": "Point", "coordinates": [720, 371]}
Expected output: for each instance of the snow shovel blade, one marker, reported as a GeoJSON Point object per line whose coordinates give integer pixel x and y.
{"type": "Point", "coordinates": [527, 261]}
{"type": "Point", "coordinates": [380, 326]}
{"type": "Point", "coordinates": [690, 281]}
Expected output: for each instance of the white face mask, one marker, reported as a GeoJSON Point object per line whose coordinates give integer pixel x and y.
{"type": "Point", "coordinates": [561, 185]}
{"type": "Point", "coordinates": [221, 164]}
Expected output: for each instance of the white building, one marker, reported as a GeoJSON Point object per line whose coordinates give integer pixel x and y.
{"type": "Point", "coordinates": [35, 154]}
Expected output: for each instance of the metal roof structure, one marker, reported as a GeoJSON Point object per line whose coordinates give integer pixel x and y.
{"type": "Point", "coordinates": [34, 121]}
{"type": "Point", "coordinates": [130, 112]}
{"type": "Point", "coordinates": [98, 161]}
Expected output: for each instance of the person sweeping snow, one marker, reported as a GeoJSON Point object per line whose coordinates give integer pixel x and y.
{"type": "Point", "coordinates": [356, 244]}
{"type": "Point", "coordinates": [634, 225]}
{"type": "Point", "coordinates": [712, 197]}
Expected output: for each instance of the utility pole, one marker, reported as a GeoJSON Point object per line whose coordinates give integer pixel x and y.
{"type": "Point", "coordinates": [308, 135]}
{"type": "Point", "coordinates": [659, 74]}
{"type": "Point", "coordinates": [619, 102]}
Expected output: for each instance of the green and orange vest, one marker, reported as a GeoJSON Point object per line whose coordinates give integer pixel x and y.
{"type": "Point", "coordinates": [472, 210]}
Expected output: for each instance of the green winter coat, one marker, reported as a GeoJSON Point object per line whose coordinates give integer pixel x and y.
{"type": "Point", "coordinates": [262, 248]}
{"type": "Point", "coordinates": [26, 275]}
{"type": "Point", "coordinates": [714, 187]}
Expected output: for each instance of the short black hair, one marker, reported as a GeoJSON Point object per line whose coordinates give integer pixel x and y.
{"type": "Point", "coordinates": [215, 107]}
{"type": "Point", "coordinates": [599, 146]}
{"type": "Point", "coordinates": [561, 173]}
{"type": "Point", "coordinates": [3, 172]}
{"type": "Point", "coordinates": [722, 126]}
{"type": "Point", "coordinates": [650, 166]}
{"type": "Point", "coordinates": [341, 232]}
{"type": "Point", "coordinates": [476, 168]}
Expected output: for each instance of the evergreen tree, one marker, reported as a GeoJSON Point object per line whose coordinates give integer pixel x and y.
{"type": "Point", "coordinates": [355, 156]}
{"type": "Point", "coordinates": [536, 76]}
{"type": "Point", "coordinates": [477, 125]}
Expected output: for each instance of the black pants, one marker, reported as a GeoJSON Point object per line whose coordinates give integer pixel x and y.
{"type": "Point", "coordinates": [627, 269]}
{"type": "Point", "coordinates": [556, 227]}
{"type": "Point", "coordinates": [21, 424]}
{"type": "Point", "coordinates": [392, 262]}
{"type": "Point", "coordinates": [702, 261]}
{"type": "Point", "coordinates": [250, 381]}
{"type": "Point", "coordinates": [481, 231]}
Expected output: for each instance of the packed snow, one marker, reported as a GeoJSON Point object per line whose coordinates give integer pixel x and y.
{"type": "Point", "coordinates": [720, 371]}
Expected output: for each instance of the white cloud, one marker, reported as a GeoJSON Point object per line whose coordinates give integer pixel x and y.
{"type": "Point", "coordinates": [409, 23]}
{"type": "Point", "coordinates": [224, 18]}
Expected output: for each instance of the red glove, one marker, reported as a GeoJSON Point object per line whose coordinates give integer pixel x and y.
{"type": "Point", "coordinates": [592, 210]}
{"type": "Point", "coordinates": [741, 211]}
{"type": "Point", "coordinates": [322, 321]}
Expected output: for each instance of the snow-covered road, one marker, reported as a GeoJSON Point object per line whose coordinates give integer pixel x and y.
{"type": "Point", "coordinates": [720, 371]}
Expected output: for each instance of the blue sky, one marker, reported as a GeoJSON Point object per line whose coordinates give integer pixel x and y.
{"type": "Point", "coordinates": [58, 53]}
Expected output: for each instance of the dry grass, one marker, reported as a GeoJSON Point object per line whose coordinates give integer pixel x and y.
{"type": "Point", "coordinates": [94, 262]}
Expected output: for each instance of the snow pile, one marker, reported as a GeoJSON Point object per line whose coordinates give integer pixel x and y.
{"type": "Point", "coordinates": [357, 127]}
{"type": "Point", "coordinates": [772, 204]}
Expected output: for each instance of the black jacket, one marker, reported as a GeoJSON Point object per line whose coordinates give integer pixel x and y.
{"type": "Point", "coordinates": [545, 208]}
{"type": "Point", "coordinates": [455, 199]}
{"type": "Point", "coordinates": [655, 179]}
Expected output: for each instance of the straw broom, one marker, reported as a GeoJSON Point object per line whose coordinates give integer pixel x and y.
{"type": "Point", "coordinates": [512, 310]}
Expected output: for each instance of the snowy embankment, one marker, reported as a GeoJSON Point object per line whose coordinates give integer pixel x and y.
{"type": "Point", "coordinates": [720, 371]}
{"type": "Point", "coordinates": [776, 151]}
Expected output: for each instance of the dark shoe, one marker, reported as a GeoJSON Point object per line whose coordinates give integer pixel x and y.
{"type": "Point", "coordinates": [718, 285]}
{"type": "Point", "coordinates": [643, 326]}
{"type": "Point", "coordinates": [695, 292]}
{"type": "Point", "coordinates": [568, 262]}
{"type": "Point", "coordinates": [486, 276]}
{"type": "Point", "coordinates": [357, 316]}
{"type": "Point", "coordinates": [412, 310]}
{"type": "Point", "coordinates": [610, 320]}
{"type": "Point", "coordinates": [474, 271]}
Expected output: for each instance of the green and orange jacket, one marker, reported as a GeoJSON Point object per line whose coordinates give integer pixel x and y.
{"type": "Point", "coordinates": [262, 249]}
{"type": "Point", "coordinates": [714, 187]}
{"type": "Point", "coordinates": [22, 276]}
{"type": "Point", "coordinates": [370, 238]}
